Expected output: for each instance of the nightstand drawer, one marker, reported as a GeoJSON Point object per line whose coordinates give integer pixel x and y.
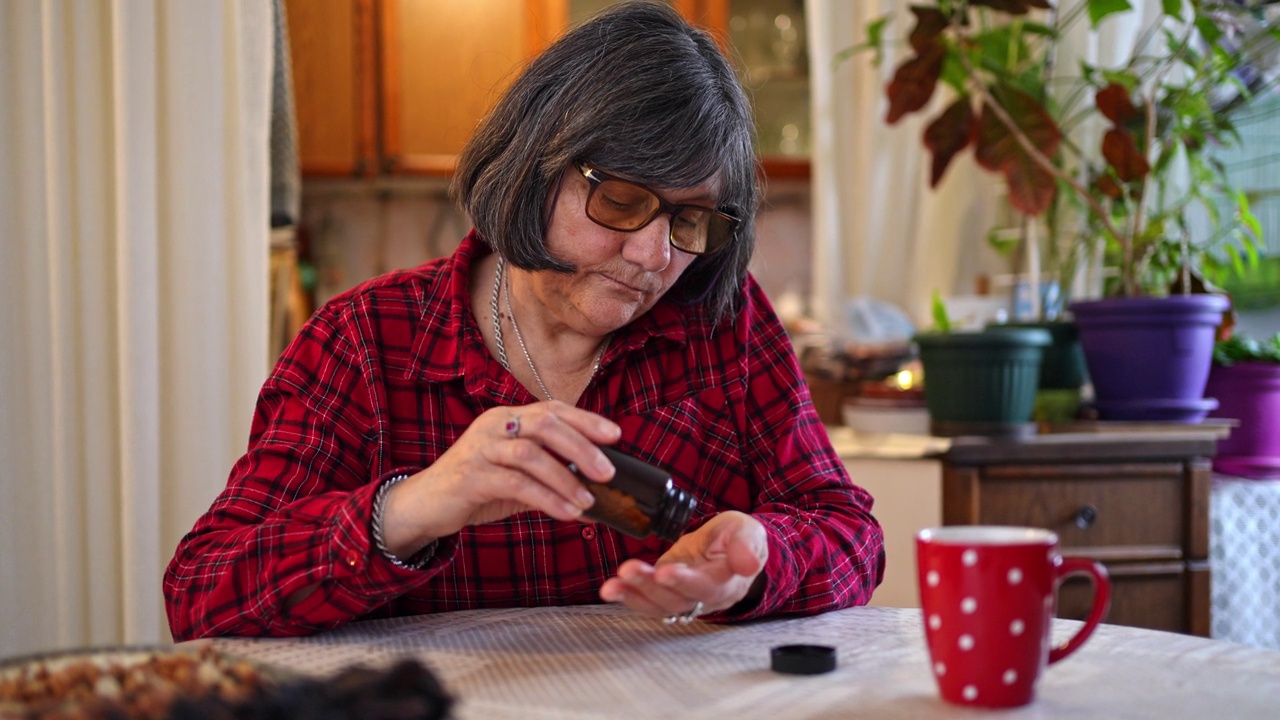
{"type": "Point", "coordinates": [1110, 515]}
{"type": "Point", "coordinates": [1148, 595]}
{"type": "Point", "coordinates": [1136, 500]}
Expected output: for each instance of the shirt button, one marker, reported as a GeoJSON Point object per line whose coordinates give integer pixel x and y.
{"type": "Point", "coordinates": [353, 559]}
{"type": "Point", "coordinates": [588, 533]}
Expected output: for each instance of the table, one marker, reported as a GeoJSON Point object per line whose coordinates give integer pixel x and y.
{"type": "Point", "coordinates": [605, 663]}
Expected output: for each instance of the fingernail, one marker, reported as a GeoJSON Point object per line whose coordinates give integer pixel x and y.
{"type": "Point", "coordinates": [603, 465]}
{"type": "Point", "coordinates": [573, 510]}
{"type": "Point", "coordinates": [630, 572]}
{"type": "Point", "coordinates": [670, 579]}
{"type": "Point", "coordinates": [585, 498]}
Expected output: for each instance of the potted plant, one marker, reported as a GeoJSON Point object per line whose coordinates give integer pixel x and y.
{"type": "Point", "coordinates": [1245, 378]}
{"type": "Point", "coordinates": [980, 382]}
{"type": "Point", "coordinates": [1133, 192]}
{"type": "Point", "coordinates": [1062, 367]}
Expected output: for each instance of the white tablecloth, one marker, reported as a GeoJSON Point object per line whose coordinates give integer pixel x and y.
{"type": "Point", "coordinates": [1244, 550]}
{"type": "Point", "coordinates": [604, 663]}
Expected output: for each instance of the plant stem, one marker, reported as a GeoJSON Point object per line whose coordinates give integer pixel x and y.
{"type": "Point", "coordinates": [1128, 277]}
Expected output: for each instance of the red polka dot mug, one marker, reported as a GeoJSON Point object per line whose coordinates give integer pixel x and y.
{"type": "Point", "coordinates": [988, 596]}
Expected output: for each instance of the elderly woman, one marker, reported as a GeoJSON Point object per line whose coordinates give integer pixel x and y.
{"type": "Point", "coordinates": [409, 451]}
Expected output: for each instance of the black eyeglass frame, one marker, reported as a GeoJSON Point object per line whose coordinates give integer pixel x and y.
{"type": "Point", "coordinates": [595, 177]}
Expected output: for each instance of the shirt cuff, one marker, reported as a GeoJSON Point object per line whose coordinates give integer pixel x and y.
{"type": "Point", "coordinates": [366, 570]}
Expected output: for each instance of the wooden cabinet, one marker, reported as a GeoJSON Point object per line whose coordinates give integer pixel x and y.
{"type": "Point", "coordinates": [398, 86]}
{"type": "Point", "coordinates": [444, 65]}
{"type": "Point", "coordinates": [1137, 501]}
{"type": "Point", "coordinates": [334, 85]}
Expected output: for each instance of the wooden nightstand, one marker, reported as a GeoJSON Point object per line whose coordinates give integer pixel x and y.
{"type": "Point", "coordinates": [1138, 501]}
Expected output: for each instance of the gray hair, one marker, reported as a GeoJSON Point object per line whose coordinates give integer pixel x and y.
{"type": "Point", "coordinates": [637, 91]}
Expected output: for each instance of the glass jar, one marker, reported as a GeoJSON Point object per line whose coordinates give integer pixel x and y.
{"type": "Point", "coordinates": [640, 500]}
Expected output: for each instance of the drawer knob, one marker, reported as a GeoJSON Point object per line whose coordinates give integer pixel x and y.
{"type": "Point", "coordinates": [1085, 517]}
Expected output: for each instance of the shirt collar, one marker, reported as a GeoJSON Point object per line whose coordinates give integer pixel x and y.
{"type": "Point", "coordinates": [449, 344]}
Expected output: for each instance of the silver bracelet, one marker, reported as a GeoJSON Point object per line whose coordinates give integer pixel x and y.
{"type": "Point", "coordinates": [420, 558]}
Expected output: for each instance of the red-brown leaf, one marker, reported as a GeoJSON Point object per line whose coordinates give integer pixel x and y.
{"type": "Point", "coordinates": [913, 83]}
{"type": "Point", "coordinates": [1107, 186]}
{"type": "Point", "coordinates": [947, 135]}
{"type": "Point", "coordinates": [1122, 154]}
{"type": "Point", "coordinates": [1013, 7]}
{"type": "Point", "coordinates": [930, 22]}
{"type": "Point", "coordinates": [1114, 103]}
{"type": "Point", "coordinates": [996, 146]}
{"type": "Point", "coordinates": [1031, 187]}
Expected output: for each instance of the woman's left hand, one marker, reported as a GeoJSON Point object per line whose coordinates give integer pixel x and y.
{"type": "Point", "coordinates": [715, 565]}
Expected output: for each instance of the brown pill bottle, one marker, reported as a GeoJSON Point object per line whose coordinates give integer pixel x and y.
{"type": "Point", "coordinates": [640, 500]}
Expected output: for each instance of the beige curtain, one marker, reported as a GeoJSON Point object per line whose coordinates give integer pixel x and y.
{"type": "Point", "coordinates": [879, 230]}
{"type": "Point", "coordinates": [1109, 46]}
{"type": "Point", "coordinates": [133, 297]}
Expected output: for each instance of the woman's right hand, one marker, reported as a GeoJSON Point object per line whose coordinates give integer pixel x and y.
{"type": "Point", "coordinates": [504, 463]}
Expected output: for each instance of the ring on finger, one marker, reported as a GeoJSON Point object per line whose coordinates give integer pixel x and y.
{"type": "Point", "coordinates": [685, 618]}
{"type": "Point", "coordinates": [512, 427]}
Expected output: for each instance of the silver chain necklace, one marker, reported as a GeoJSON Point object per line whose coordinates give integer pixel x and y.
{"type": "Point", "coordinates": [498, 274]}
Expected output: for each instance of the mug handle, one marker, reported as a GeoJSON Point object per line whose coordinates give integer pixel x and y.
{"type": "Point", "coordinates": [1101, 601]}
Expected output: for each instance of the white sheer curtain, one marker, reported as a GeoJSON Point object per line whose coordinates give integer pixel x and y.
{"type": "Point", "coordinates": [133, 297]}
{"type": "Point", "coordinates": [879, 230]}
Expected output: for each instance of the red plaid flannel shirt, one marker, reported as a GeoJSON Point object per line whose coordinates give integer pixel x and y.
{"type": "Point", "coordinates": [387, 376]}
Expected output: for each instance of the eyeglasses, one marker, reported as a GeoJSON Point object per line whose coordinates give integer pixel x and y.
{"type": "Point", "coordinates": [626, 206]}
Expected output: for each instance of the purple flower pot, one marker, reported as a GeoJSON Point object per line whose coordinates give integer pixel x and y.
{"type": "Point", "coordinates": [1149, 357]}
{"type": "Point", "coordinates": [1249, 392]}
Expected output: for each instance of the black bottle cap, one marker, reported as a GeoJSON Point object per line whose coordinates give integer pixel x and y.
{"type": "Point", "coordinates": [803, 659]}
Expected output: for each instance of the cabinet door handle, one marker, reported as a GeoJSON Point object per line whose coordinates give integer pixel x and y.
{"type": "Point", "coordinates": [1085, 517]}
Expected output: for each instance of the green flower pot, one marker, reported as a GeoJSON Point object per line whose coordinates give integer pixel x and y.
{"type": "Point", "coordinates": [1062, 372]}
{"type": "Point", "coordinates": [982, 383]}
{"type": "Point", "coordinates": [1062, 366]}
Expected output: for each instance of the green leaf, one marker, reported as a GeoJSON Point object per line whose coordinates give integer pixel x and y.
{"type": "Point", "coordinates": [1251, 252]}
{"type": "Point", "coordinates": [874, 41]}
{"type": "Point", "coordinates": [1237, 263]}
{"type": "Point", "coordinates": [1172, 8]}
{"type": "Point", "coordinates": [1209, 30]}
{"type": "Point", "coordinates": [954, 74]}
{"type": "Point", "coordinates": [940, 318]}
{"type": "Point", "coordinates": [1241, 347]}
{"type": "Point", "coordinates": [875, 30]}
{"type": "Point", "coordinates": [1031, 82]}
{"type": "Point", "coordinates": [1099, 9]}
{"type": "Point", "coordinates": [1035, 28]}
{"type": "Point", "coordinates": [1246, 215]}
{"type": "Point", "coordinates": [1129, 81]}
{"type": "Point", "coordinates": [1003, 243]}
